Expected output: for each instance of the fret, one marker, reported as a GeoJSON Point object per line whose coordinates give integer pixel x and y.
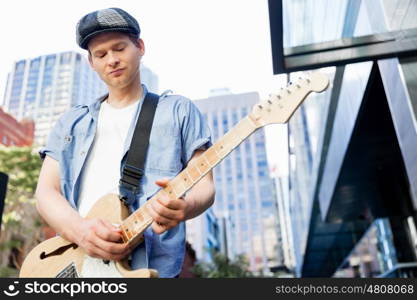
{"type": "Point", "coordinates": [193, 172]}
{"type": "Point", "coordinates": [144, 212]}
{"type": "Point", "coordinates": [174, 190]}
{"type": "Point", "coordinates": [177, 183]}
{"type": "Point", "coordinates": [220, 149]}
{"type": "Point", "coordinates": [170, 191]}
{"type": "Point", "coordinates": [137, 227]}
{"type": "Point", "coordinates": [178, 189]}
{"type": "Point", "coordinates": [138, 216]}
{"type": "Point", "coordinates": [186, 180]}
{"type": "Point", "coordinates": [177, 186]}
{"type": "Point", "coordinates": [202, 165]}
{"type": "Point", "coordinates": [126, 229]}
{"type": "Point", "coordinates": [232, 139]}
{"type": "Point", "coordinates": [137, 223]}
{"type": "Point", "coordinates": [211, 156]}
{"type": "Point", "coordinates": [146, 218]}
{"type": "Point", "coordinates": [130, 228]}
{"type": "Point", "coordinates": [191, 179]}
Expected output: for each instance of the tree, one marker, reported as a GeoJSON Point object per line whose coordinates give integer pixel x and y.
{"type": "Point", "coordinates": [20, 230]}
{"type": "Point", "coordinates": [223, 267]}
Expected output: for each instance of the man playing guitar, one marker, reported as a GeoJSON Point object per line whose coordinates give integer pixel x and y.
{"type": "Point", "coordinates": [87, 149]}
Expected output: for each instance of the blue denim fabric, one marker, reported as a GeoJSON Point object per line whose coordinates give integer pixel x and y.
{"type": "Point", "coordinates": [178, 130]}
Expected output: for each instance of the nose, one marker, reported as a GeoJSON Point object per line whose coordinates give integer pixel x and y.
{"type": "Point", "coordinates": [113, 59]}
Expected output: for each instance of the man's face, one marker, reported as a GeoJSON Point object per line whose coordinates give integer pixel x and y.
{"type": "Point", "coordinates": [115, 58]}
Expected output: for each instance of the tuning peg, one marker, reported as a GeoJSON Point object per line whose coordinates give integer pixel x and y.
{"type": "Point", "coordinates": [288, 91]}
{"type": "Point", "coordinates": [260, 106]}
{"type": "Point", "coordinates": [298, 86]}
{"type": "Point", "coordinates": [269, 101]}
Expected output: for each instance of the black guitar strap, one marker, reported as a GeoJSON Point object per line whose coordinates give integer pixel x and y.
{"type": "Point", "coordinates": [133, 171]}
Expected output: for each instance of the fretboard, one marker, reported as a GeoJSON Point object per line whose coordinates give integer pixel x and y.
{"type": "Point", "coordinates": [134, 226]}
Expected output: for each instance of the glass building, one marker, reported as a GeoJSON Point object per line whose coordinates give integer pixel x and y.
{"type": "Point", "coordinates": [203, 234]}
{"type": "Point", "coordinates": [43, 88]}
{"type": "Point", "coordinates": [245, 198]}
{"type": "Point", "coordinates": [352, 149]}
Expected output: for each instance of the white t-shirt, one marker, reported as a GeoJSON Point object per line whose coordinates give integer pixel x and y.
{"type": "Point", "coordinates": [101, 172]}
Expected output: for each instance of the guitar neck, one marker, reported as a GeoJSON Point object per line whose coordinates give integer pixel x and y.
{"type": "Point", "coordinates": [139, 220]}
{"type": "Point", "coordinates": [276, 109]}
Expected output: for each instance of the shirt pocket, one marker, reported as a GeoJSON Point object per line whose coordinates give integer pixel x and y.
{"type": "Point", "coordinates": [67, 146]}
{"type": "Point", "coordinates": [73, 145]}
{"type": "Point", "coordinates": [164, 152]}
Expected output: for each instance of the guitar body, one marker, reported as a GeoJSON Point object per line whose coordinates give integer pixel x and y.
{"type": "Point", "coordinates": [57, 257]}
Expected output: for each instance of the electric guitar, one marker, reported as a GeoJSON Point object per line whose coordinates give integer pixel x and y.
{"type": "Point", "coordinates": [57, 257]}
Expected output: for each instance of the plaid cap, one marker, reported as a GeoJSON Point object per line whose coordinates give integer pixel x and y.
{"type": "Point", "coordinates": [105, 20]}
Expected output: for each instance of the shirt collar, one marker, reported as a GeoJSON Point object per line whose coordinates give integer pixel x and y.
{"type": "Point", "coordinates": [94, 107]}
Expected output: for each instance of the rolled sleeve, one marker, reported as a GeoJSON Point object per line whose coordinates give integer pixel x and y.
{"type": "Point", "coordinates": [53, 146]}
{"type": "Point", "coordinates": [195, 131]}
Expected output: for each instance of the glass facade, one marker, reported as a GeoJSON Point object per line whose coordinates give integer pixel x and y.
{"type": "Point", "coordinates": [326, 20]}
{"type": "Point", "coordinates": [43, 88]}
{"type": "Point", "coordinates": [17, 86]}
{"type": "Point", "coordinates": [323, 132]}
{"type": "Point", "coordinates": [32, 87]}
{"type": "Point", "coordinates": [312, 21]}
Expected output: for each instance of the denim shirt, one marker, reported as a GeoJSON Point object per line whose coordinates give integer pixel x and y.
{"type": "Point", "coordinates": [178, 130]}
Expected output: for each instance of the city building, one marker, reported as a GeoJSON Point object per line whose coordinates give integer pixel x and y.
{"type": "Point", "coordinates": [14, 133]}
{"type": "Point", "coordinates": [245, 197]}
{"type": "Point", "coordinates": [43, 88]}
{"type": "Point", "coordinates": [352, 185]}
{"type": "Point", "coordinates": [285, 239]}
{"type": "Point", "coordinates": [203, 234]}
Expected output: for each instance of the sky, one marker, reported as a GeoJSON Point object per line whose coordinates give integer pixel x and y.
{"type": "Point", "coordinates": [194, 46]}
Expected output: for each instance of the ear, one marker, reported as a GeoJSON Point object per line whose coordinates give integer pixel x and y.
{"type": "Point", "coordinates": [141, 47]}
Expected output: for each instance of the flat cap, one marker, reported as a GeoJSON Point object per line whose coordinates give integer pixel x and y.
{"type": "Point", "coordinates": [105, 20]}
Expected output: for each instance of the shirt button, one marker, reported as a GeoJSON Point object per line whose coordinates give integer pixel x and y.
{"type": "Point", "coordinates": [82, 152]}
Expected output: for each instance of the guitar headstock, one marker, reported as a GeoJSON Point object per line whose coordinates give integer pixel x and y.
{"type": "Point", "coordinates": [279, 108]}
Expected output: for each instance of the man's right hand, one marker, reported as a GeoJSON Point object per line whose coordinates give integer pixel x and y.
{"type": "Point", "coordinates": [100, 239]}
{"type": "Point", "coordinates": [97, 237]}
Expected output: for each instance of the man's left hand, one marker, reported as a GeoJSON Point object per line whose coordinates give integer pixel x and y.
{"type": "Point", "coordinates": [166, 213]}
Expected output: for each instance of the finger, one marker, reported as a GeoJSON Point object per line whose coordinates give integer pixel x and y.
{"type": "Point", "coordinates": [171, 212]}
{"type": "Point", "coordinates": [171, 203]}
{"type": "Point", "coordinates": [112, 227]}
{"type": "Point", "coordinates": [158, 228]}
{"type": "Point", "coordinates": [111, 248]}
{"type": "Point", "coordinates": [105, 233]}
{"type": "Point", "coordinates": [157, 217]}
{"type": "Point", "coordinates": [163, 182]}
